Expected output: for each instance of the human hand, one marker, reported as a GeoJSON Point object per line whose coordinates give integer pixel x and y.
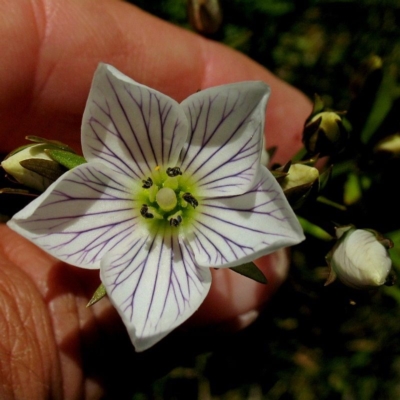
{"type": "Point", "coordinates": [50, 341]}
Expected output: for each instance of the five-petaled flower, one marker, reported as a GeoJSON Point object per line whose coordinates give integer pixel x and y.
{"type": "Point", "coordinates": [168, 191]}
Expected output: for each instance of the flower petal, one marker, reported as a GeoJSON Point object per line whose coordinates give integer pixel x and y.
{"type": "Point", "coordinates": [82, 216]}
{"type": "Point", "coordinates": [130, 127]}
{"type": "Point", "coordinates": [155, 286]}
{"type": "Point", "coordinates": [225, 141]}
{"type": "Point", "coordinates": [233, 230]}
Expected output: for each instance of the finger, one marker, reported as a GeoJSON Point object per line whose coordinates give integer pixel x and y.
{"type": "Point", "coordinates": [28, 355]}
{"type": "Point", "coordinates": [61, 334]}
{"type": "Point", "coordinates": [235, 299]}
{"type": "Point", "coordinates": [47, 72]}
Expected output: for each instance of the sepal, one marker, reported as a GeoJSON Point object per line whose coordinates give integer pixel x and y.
{"type": "Point", "coordinates": [250, 270]}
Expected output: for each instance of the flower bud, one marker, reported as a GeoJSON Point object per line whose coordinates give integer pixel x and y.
{"type": "Point", "coordinates": [324, 132]}
{"type": "Point", "coordinates": [299, 175]}
{"type": "Point", "coordinates": [205, 16]}
{"type": "Point", "coordinates": [360, 258]}
{"type": "Point", "coordinates": [390, 145]}
{"type": "Point", "coordinates": [12, 165]}
{"type": "Point", "coordinates": [298, 183]}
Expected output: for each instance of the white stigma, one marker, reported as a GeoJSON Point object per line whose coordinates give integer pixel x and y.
{"type": "Point", "coordinates": [166, 199]}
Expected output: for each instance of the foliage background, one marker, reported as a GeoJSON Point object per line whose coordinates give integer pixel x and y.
{"type": "Point", "coordinates": [312, 342]}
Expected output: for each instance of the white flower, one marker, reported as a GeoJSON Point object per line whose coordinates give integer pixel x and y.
{"type": "Point", "coordinates": [168, 191]}
{"type": "Point", "coordinates": [359, 259]}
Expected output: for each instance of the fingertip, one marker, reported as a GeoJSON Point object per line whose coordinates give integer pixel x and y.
{"type": "Point", "coordinates": [233, 295]}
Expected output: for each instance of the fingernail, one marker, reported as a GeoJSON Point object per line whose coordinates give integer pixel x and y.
{"type": "Point", "coordinates": [244, 320]}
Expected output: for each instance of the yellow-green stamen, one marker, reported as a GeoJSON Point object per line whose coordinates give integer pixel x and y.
{"type": "Point", "coordinates": [166, 198]}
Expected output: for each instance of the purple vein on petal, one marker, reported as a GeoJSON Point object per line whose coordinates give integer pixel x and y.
{"type": "Point", "coordinates": [125, 113]}
{"type": "Point", "coordinates": [221, 148]}
{"type": "Point", "coordinates": [205, 141]}
{"type": "Point", "coordinates": [194, 121]}
{"type": "Point", "coordinates": [240, 226]}
{"type": "Point", "coordinates": [153, 293]}
{"type": "Point", "coordinates": [146, 119]}
{"type": "Point", "coordinates": [118, 134]}
{"type": "Point", "coordinates": [121, 235]}
{"type": "Point", "coordinates": [172, 147]}
{"type": "Point", "coordinates": [224, 237]}
{"type": "Point", "coordinates": [124, 271]}
{"type": "Point", "coordinates": [200, 244]}
{"type": "Point", "coordinates": [110, 157]}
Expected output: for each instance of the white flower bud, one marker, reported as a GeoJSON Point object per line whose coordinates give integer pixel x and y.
{"type": "Point", "coordinates": [298, 175]}
{"type": "Point", "coordinates": [360, 259]}
{"type": "Point", "coordinates": [28, 178]}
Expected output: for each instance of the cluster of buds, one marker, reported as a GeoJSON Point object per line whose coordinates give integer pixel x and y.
{"type": "Point", "coordinates": [360, 258]}
{"type": "Point", "coordinates": [325, 132]}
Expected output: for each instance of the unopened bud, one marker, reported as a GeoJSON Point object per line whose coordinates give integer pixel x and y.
{"type": "Point", "coordinates": [299, 175]}
{"type": "Point", "coordinates": [298, 182]}
{"type": "Point", "coordinates": [324, 131]}
{"type": "Point", "coordinates": [360, 258]}
{"type": "Point", "coordinates": [12, 165]}
{"type": "Point", "coordinates": [205, 16]}
{"type": "Point", "coordinates": [390, 145]}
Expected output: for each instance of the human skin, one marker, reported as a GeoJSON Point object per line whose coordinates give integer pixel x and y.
{"type": "Point", "coordinates": [49, 341]}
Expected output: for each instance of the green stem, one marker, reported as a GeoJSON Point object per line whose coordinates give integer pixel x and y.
{"type": "Point", "coordinates": [331, 203]}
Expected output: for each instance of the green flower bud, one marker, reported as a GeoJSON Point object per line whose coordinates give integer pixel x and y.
{"type": "Point", "coordinates": [389, 145]}
{"type": "Point", "coordinates": [29, 155]}
{"type": "Point", "coordinates": [360, 258]}
{"type": "Point", "coordinates": [324, 131]}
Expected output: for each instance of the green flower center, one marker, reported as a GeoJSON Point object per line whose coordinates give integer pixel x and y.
{"type": "Point", "coordinates": [166, 198]}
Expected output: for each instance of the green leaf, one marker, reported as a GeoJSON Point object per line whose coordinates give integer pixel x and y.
{"type": "Point", "coordinates": [67, 159]}
{"type": "Point", "coordinates": [250, 270]}
{"type": "Point", "coordinates": [387, 93]}
{"type": "Point", "coordinates": [98, 295]}
{"type": "Point", "coordinates": [23, 192]}
{"type": "Point", "coordinates": [52, 143]}
{"type": "Point", "coordinates": [46, 168]}
{"type": "Point", "coordinates": [325, 177]}
{"type": "Point", "coordinates": [352, 189]}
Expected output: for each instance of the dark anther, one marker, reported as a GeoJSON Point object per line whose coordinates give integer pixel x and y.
{"type": "Point", "coordinates": [190, 199]}
{"type": "Point", "coordinates": [175, 221]}
{"type": "Point", "coordinates": [147, 183]}
{"type": "Point", "coordinates": [144, 211]}
{"type": "Point", "coordinates": [175, 171]}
